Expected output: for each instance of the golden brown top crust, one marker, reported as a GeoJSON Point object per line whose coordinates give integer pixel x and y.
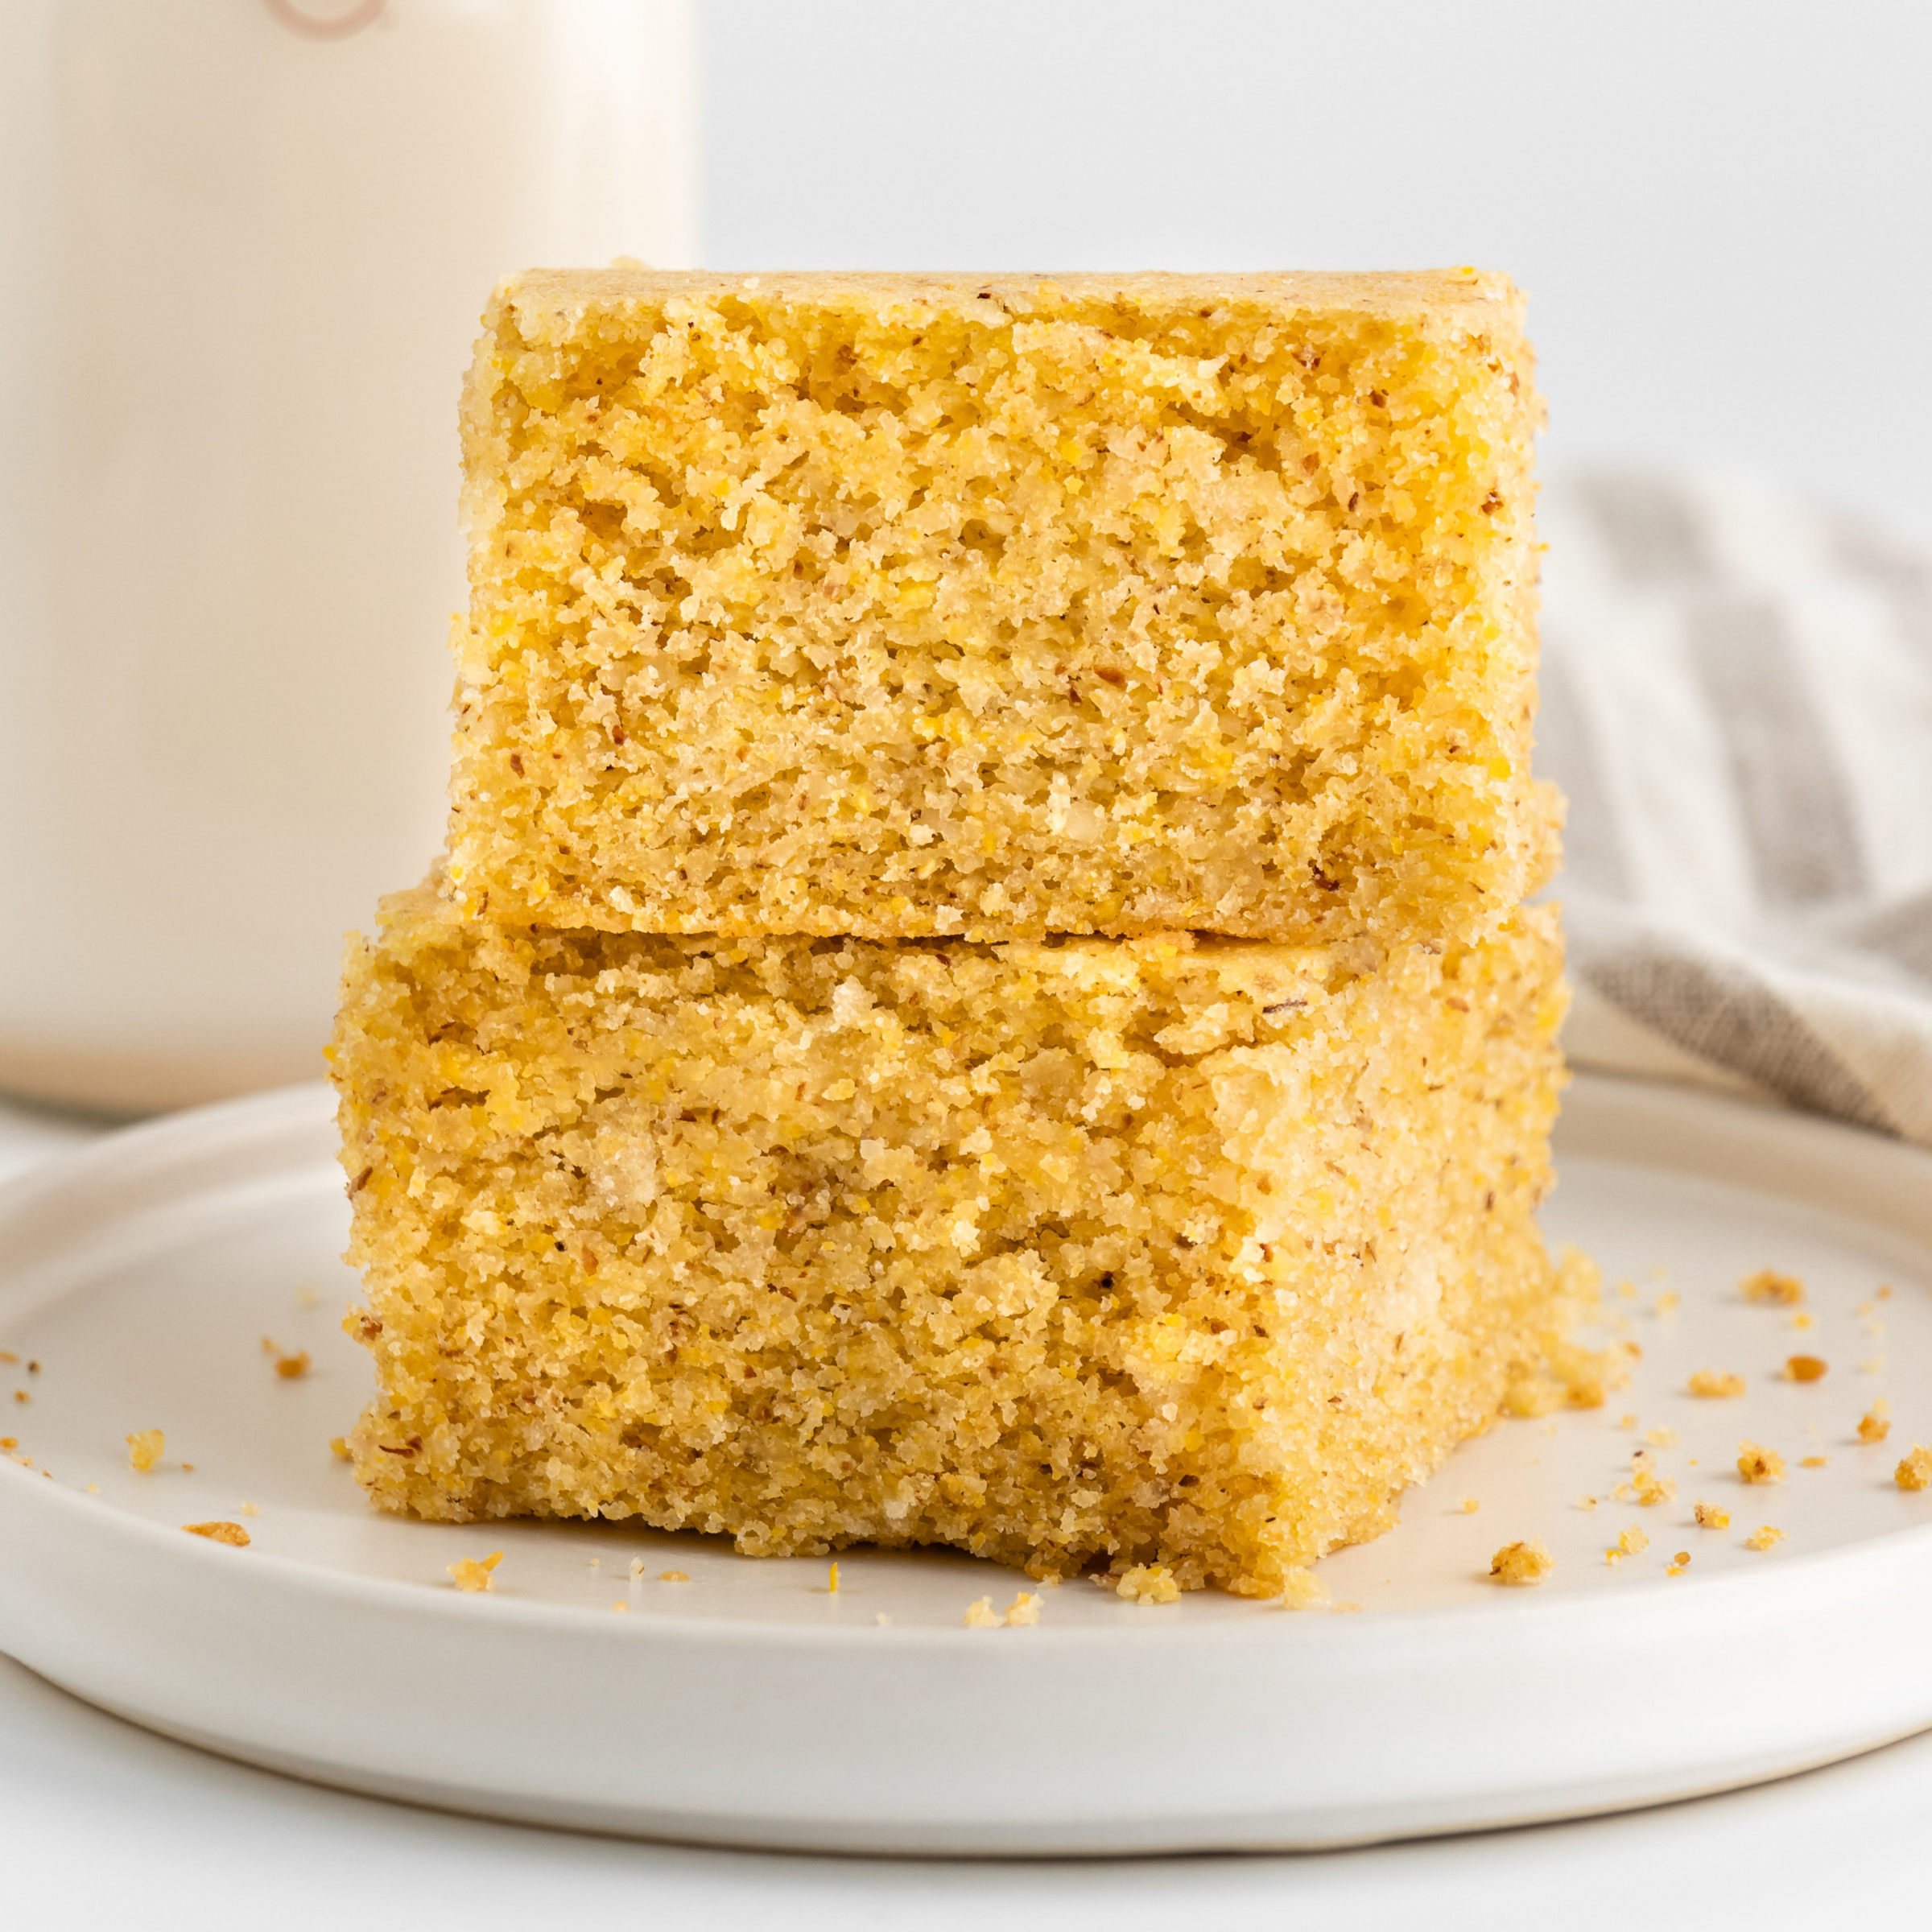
{"type": "Point", "coordinates": [1469, 296]}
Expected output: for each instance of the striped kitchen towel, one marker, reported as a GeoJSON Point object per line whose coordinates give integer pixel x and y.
{"type": "Point", "coordinates": [1737, 698]}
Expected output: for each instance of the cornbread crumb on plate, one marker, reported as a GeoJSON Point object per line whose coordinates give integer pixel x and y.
{"type": "Point", "coordinates": [1763, 1538]}
{"type": "Point", "coordinates": [1756, 1464]}
{"type": "Point", "coordinates": [1914, 1471]}
{"type": "Point", "coordinates": [232, 1534]}
{"type": "Point", "coordinates": [1767, 1286]}
{"type": "Point", "coordinates": [1023, 1610]}
{"type": "Point", "coordinates": [289, 1367]}
{"type": "Point", "coordinates": [1527, 1562]}
{"type": "Point", "coordinates": [1148, 1584]}
{"type": "Point", "coordinates": [1709, 1516]}
{"type": "Point", "coordinates": [910, 605]}
{"type": "Point", "coordinates": [472, 1574]}
{"type": "Point", "coordinates": [1173, 1250]}
{"type": "Point", "coordinates": [672, 1576]}
{"type": "Point", "coordinates": [144, 1448]}
{"type": "Point", "coordinates": [1469, 1505]}
{"type": "Point", "coordinates": [1805, 1368]}
{"type": "Point", "coordinates": [1661, 1438]}
{"type": "Point", "coordinates": [339, 1447]}
{"type": "Point", "coordinates": [982, 1616]}
{"type": "Point", "coordinates": [1302, 1590]}
{"type": "Point", "coordinates": [1632, 1542]}
{"type": "Point", "coordinates": [1875, 1425]}
{"type": "Point", "coordinates": [1714, 1385]}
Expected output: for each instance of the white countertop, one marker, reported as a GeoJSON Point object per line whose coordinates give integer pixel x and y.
{"type": "Point", "coordinates": [102, 1824]}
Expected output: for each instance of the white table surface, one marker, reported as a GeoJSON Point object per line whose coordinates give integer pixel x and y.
{"type": "Point", "coordinates": [103, 1825]}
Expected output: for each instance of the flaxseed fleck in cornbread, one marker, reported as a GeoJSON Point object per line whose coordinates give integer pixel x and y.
{"type": "Point", "coordinates": [1168, 1251]}
{"type": "Point", "coordinates": [916, 605]}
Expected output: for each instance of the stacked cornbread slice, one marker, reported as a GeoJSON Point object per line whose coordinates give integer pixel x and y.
{"type": "Point", "coordinates": [980, 994]}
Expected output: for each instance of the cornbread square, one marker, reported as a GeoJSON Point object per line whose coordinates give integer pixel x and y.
{"type": "Point", "coordinates": [915, 605]}
{"type": "Point", "coordinates": [1171, 1250]}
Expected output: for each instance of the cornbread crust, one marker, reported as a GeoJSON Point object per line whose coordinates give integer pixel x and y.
{"type": "Point", "coordinates": [926, 606]}
{"type": "Point", "coordinates": [1193, 1252]}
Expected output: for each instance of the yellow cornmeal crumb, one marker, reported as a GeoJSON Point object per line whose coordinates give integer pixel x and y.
{"type": "Point", "coordinates": [1758, 1464]}
{"type": "Point", "coordinates": [1469, 1505]}
{"type": "Point", "coordinates": [1804, 1368]}
{"type": "Point", "coordinates": [1302, 1590]}
{"type": "Point", "coordinates": [1710, 1517]}
{"type": "Point", "coordinates": [1631, 1543]}
{"type": "Point", "coordinates": [288, 1367]}
{"type": "Point", "coordinates": [144, 1447]}
{"type": "Point", "coordinates": [982, 1616]}
{"type": "Point", "coordinates": [1661, 1438]}
{"type": "Point", "coordinates": [1763, 1538]}
{"type": "Point", "coordinates": [1669, 1301]}
{"type": "Point", "coordinates": [1875, 1425]}
{"type": "Point", "coordinates": [672, 1576]}
{"type": "Point", "coordinates": [832, 1582]}
{"type": "Point", "coordinates": [339, 1446]}
{"type": "Point", "coordinates": [1650, 1488]}
{"type": "Point", "coordinates": [623, 1607]}
{"type": "Point", "coordinates": [1626, 1421]}
{"type": "Point", "coordinates": [1802, 1320]}
{"type": "Point", "coordinates": [1873, 1364]}
{"type": "Point", "coordinates": [1813, 1462]}
{"type": "Point", "coordinates": [232, 1534]}
{"type": "Point", "coordinates": [1148, 1584]}
{"type": "Point", "coordinates": [1785, 1290]}
{"type": "Point", "coordinates": [1914, 1471]}
{"type": "Point", "coordinates": [1587, 1502]}
{"type": "Point", "coordinates": [472, 1574]}
{"type": "Point", "coordinates": [1110, 1249]}
{"type": "Point", "coordinates": [1024, 1609]}
{"type": "Point", "coordinates": [249, 1509]}
{"type": "Point", "coordinates": [882, 1621]}
{"type": "Point", "coordinates": [1678, 1564]}
{"type": "Point", "coordinates": [1528, 1561]}
{"type": "Point", "coordinates": [915, 606]}
{"type": "Point", "coordinates": [1714, 1385]}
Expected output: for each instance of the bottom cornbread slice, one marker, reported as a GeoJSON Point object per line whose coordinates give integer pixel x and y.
{"type": "Point", "coordinates": [1171, 1250]}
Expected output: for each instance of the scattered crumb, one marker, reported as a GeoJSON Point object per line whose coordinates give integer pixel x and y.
{"type": "Point", "coordinates": [306, 1297]}
{"type": "Point", "coordinates": [1661, 1438]}
{"type": "Point", "coordinates": [220, 1532]}
{"type": "Point", "coordinates": [249, 1509]}
{"type": "Point", "coordinates": [982, 1616]}
{"type": "Point", "coordinates": [20, 1395]}
{"type": "Point", "coordinates": [1805, 1368]}
{"type": "Point", "coordinates": [1470, 1506]}
{"type": "Point", "coordinates": [269, 1346]}
{"type": "Point", "coordinates": [1872, 1364]}
{"type": "Point", "coordinates": [832, 1582]}
{"type": "Point", "coordinates": [1302, 1590]}
{"type": "Point", "coordinates": [1875, 1425]}
{"type": "Point", "coordinates": [8, 1356]}
{"type": "Point", "coordinates": [1626, 1421]}
{"type": "Point", "coordinates": [1652, 1488]}
{"type": "Point", "coordinates": [1763, 1539]}
{"type": "Point", "coordinates": [672, 1576]}
{"type": "Point", "coordinates": [1629, 1544]}
{"type": "Point", "coordinates": [1678, 1564]}
{"type": "Point", "coordinates": [288, 1367]}
{"type": "Point", "coordinates": [1024, 1609]}
{"type": "Point", "coordinates": [1669, 1301]}
{"type": "Point", "coordinates": [144, 1447]}
{"type": "Point", "coordinates": [624, 1607]}
{"type": "Point", "coordinates": [1626, 1290]}
{"type": "Point", "coordinates": [471, 1574]}
{"type": "Point", "coordinates": [1915, 1471]}
{"type": "Point", "coordinates": [1520, 1562]}
{"type": "Point", "coordinates": [33, 1368]}
{"type": "Point", "coordinates": [10, 1442]}
{"type": "Point", "coordinates": [1758, 1464]}
{"type": "Point", "coordinates": [1715, 1384]}
{"type": "Point", "coordinates": [882, 1621]}
{"type": "Point", "coordinates": [1589, 1502]}
{"type": "Point", "coordinates": [339, 1445]}
{"type": "Point", "coordinates": [1780, 1290]}
{"type": "Point", "coordinates": [636, 1568]}
{"type": "Point", "coordinates": [1813, 1462]}
{"type": "Point", "coordinates": [93, 1488]}
{"type": "Point", "coordinates": [1148, 1584]}
{"type": "Point", "coordinates": [596, 1562]}
{"type": "Point", "coordinates": [1884, 1294]}
{"type": "Point", "coordinates": [1802, 1320]}
{"type": "Point", "coordinates": [188, 1466]}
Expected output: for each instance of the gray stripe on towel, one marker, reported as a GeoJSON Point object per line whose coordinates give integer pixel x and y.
{"type": "Point", "coordinates": [1566, 750]}
{"type": "Point", "coordinates": [1797, 819]}
{"type": "Point", "coordinates": [1652, 531]}
{"type": "Point", "coordinates": [1722, 1015]}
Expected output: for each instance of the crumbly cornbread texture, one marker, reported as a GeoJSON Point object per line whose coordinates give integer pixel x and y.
{"type": "Point", "coordinates": [919, 606]}
{"type": "Point", "coordinates": [1166, 1250]}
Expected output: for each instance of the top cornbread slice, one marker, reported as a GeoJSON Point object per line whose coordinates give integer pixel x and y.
{"type": "Point", "coordinates": [908, 605]}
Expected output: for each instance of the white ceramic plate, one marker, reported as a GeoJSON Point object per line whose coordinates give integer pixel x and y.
{"type": "Point", "coordinates": [750, 1705]}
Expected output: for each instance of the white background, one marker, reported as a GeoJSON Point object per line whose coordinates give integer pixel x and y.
{"type": "Point", "coordinates": [1720, 208]}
